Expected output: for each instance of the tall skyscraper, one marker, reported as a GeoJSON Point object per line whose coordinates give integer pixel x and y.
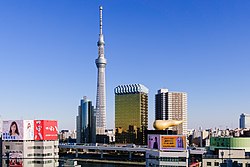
{"type": "Point", "coordinates": [86, 122]}
{"type": "Point", "coordinates": [172, 106]}
{"type": "Point", "coordinates": [101, 88]}
{"type": "Point", "coordinates": [244, 120]}
{"type": "Point", "coordinates": [131, 113]}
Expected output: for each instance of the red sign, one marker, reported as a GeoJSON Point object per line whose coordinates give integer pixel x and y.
{"type": "Point", "coordinates": [16, 159]}
{"type": "Point", "coordinates": [45, 130]}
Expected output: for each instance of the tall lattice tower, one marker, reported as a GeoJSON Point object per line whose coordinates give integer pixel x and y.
{"type": "Point", "coordinates": [101, 87]}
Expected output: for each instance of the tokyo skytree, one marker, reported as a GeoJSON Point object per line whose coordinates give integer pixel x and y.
{"type": "Point", "coordinates": [101, 87]}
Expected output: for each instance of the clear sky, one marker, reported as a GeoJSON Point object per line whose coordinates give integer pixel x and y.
{"type": "Point", "coordinates": [48, 50]}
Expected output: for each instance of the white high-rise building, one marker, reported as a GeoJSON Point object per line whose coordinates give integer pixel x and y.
{"type": "Point", "coordinates": [172, 106]}
{"type": "Point", "coordinates": [101, 87]}
{"type": "Point", "coordinates": [244, 120]}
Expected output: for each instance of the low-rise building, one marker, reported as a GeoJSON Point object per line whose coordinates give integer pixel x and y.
{"type": "Point", "coordinates": [155, 158]}
{"type": "Point", "coordinates": [224, 156]}
{"type": "Point", "coordinates": [230, 143]}
{"type": "Point", "coordinates": [166, 150]}
{"type": "Point", "coordinates": [31, 143]}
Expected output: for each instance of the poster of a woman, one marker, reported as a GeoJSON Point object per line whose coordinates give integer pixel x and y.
{"type": "Point", "coordinates": [13, 130]}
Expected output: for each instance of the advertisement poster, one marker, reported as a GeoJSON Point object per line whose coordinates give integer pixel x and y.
{"type": "Point", "coordinates": [28, 129]}
{"type": "Point", "coordinates": [173, 142]}
{"type": "Point", "coordinates": [154, 141]}
{"type": "Point", "coordinates": [16, 159]}
{"type": "Point", "coordinates": [12, 130]}
{"type": "Point", "coordinates": [50, 130]}
{"type": "Point", "coordinates": [38, 129]}
{"type": "Point", "coordinates": [45, 130]}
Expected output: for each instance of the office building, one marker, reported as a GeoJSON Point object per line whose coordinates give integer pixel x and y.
{"type": "Point", "coordinates": [244, 121]}
{"type": "Point", "coordinates": [131, 113]}
{"type": "Point", "coordinates": [101, 87]}
{"type": "Point", "coordinates": [172, 106]}
{"type": "Point", "coordinates": [32, 143]}
{"type": "Point", "coordinates": [86, 122]}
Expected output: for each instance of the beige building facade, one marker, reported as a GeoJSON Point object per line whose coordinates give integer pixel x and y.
{"type": "Point", "coordinates": [172, 106]}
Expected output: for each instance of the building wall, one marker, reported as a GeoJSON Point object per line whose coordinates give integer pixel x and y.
{"type": "Point", "coordinates": [172, 106]}
{"type": "Point", "coordinates": [78, 129]}
{"type": "Point", "coordinates": [215, 162]}
{"type": "Point", "coordinates": [166, 158]}
{"type": "Point", "coordinates": [230, 143]}
{"type": "Point", "coordinates": [131, 116]}
{"type": "Point", "coordinates": [34, 153]}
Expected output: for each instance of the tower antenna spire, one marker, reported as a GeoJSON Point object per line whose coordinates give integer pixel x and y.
{"type": "Point", "coordinates": [100, 9]}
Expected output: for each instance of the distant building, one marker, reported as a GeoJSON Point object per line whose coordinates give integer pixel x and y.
{"type": "Point", "coordinates": [1, 128]}
{"type": "Point", "coordinates": [226, 158]}
{"type": "Point", "coordinates": [172, 106]}
{"type": "Point", "coordinates": [73, 134]}
{"type": "Point", "coordinates": [111, 134]}
{"type": "Point", "coordinates": [230, 143]}
{"type": "Point", "coordinates": [86, 122]}
{"type": "Point", "coordinates": [244, 121]}
{"type": "Point", "coordinates": [66, 134]}
{"type": "Point", "coordinates": [131, 113]}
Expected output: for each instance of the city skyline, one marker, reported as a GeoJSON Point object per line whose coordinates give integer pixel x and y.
{"type": "Point", "coordinates": [48, 52]}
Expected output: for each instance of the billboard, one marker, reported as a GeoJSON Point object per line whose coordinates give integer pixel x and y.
{"type": "Point", "coordinates": [153, 141]}
{"type": "Point", "coordinates": [45, 130]}
{"type": "Point", "coordinates": [28, 129]}
{"type": "Point", "coordinates": [12, 130]}
{"type": "Point", "coordinates": [173, 142]}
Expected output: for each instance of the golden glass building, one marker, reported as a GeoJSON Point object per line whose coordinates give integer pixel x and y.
{"type": "Point", "coordinates": [131, 113]}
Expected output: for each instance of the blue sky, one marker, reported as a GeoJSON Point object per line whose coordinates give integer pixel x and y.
{"type": "Point", "coordinates": [48, 51]}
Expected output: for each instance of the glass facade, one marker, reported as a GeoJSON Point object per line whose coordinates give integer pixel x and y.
{"type": "Point", "coordinates": [86, 125]}
{"type": "Point", "coordinates": [244, 120]}
{"type": "Point", "coordinates": [131, 117]}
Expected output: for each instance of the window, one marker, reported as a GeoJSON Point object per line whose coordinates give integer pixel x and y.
{"type": "Point", "coordinates": [209, 164]}
{"type": "Point", "coordinates": [30, 162]}
{"type": "Point", "coordinates": [216, 163]}
{"type": "Point", "coordinates": [240, 164]}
